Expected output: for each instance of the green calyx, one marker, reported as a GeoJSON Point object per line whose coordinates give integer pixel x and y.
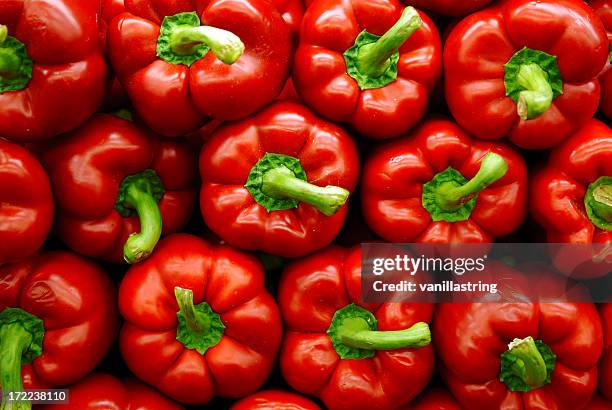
{"type": "Point", "coordinates": [21, 338]}
{"type": "Point", "coordinates": [527, 365]}
{"type": "Point", "coordinates": [598, 203]}
{"type": "Point", "coordinates": [183, 41]}
{"type": "Point", "coordinates": [450, 197]}
{"type": "Point", "coordinates": [354, 335]}
{"type": "Point", "coordinates": [139, 194]}
{"type": "Point", "coordinates": [533, 81]}
{"type": "Point", "coordinates": [372, 60]}
{"type": "Point", "coordinates": [15, 64]}
{"type": "Point", "coordinates": [279, 182]}
{"type": "Point", "coordinates": [199, 327]}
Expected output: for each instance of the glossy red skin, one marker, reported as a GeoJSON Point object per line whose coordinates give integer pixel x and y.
{"type": "Point", "coordinates": [275, 400]}
{"type": "Point", "coordinates": [115, 97]}
{"type": "Point", "coordinates": [174, 99]}
{"type": "Point", "coordinates": [232, 283]}
{"type": "Point", "coordinates": [557, 191]}
{"type": "Point", "coordinates": [311, 290]}
{"type": "Point", "coordinates": [86, 218]}
{"type": "Point", "coordinates": [605, 363]}
{"type": "Point", "coordinates": [470, 338]}
{"type": "Point", "coordinates": [101, 391]}
{"type": "Point", "coordinates": [394, 176]}
{"type": "Point", "coordinates": [599, 403]}
{"type": "Point", "coordinates": [450, 7]}
{"type": "Point", "coordinates": [77, 303]}
{"type": "Point", "coordinates": [603, 8]}
{"type": "Point", "coordinates": [292, 12]}
{"type": "Point", "coordinates": [26, 203]}
{"type": "Point", "coordinates": [329, 28]}
{"type": "Point", "coordinates": [68, 77]}
{"type": "Point", "coordinates": [108, 10]}
{"type": "Point", "coordinates": [326, 152]}
{"type": "Point", "coordinates": [480, 45]}
{"type": "Point", "coordinates": [436, 399]}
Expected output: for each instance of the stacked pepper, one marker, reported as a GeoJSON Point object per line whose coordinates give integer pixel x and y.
{"type": "Point", "coordinates": [276, 97]}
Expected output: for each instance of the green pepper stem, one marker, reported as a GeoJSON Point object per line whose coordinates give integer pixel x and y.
{"type": "Point", "coordinates": [10, 62]}
{"type": "Point", "coordinates": [3, 33]}
{"type": "Point", "coordinates": [537, 97]}
{"type": "Point", "coordinates": [281, 183]}
{"type": "Point", "coordinates": [530, 366]}
{"type": "Point", "coordinates": [374, 58]}
{"type": "Point", "coordinates": [355, 332]}
{"type": "Point", "coordinates": [226, 46]}
{"type": "Point", "coordinates": [140, 245]}
{"type": "Point", "coordinates": [492, 168]}
{"type": "Point", "coordinates": [196, 322]}
{"type": "Point", "coordinates": [602, 202]}
{"type": "Point", "coordinates": [14, 340]}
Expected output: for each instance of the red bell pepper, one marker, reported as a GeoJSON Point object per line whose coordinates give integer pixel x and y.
{"type": "Point", "coordinates": [275, 400]}
{"type": "Point", "coordinates": [519, 356]}
{"type": "Point", "coordinates": [26, 203]}
{"type": "Point", "coordinates": [160, 52]}
{"type": "Point", "coordinates": [449, 7]}
{"type": "Point", "coordinates": [440, 186]}
{"type": "Point", "coordinates": [58, 317]}
{"type": "Point", "coordinates": [351, 355]}
{"type": "Point", "coordinates": [599, 403]}
{"type": "Point", "coordinates": [103, 391]}
{"type": "Point", "coordinates": [605, 364]}
{"type": "Point", "coordinates": [278, 181]}
{"type": "Point", "coordinates": [116, 97]}
{"type": "Point", "coordinates": [202, 312]}
{"type": "Point", "coordinates": [525, 70]}
{"type": "Point", "coordinates": [292, 12]}
{"type": "Point", "coordinates": [52, 72]}
{"type": "Point", "coordinates": [346, 72]}
{"type": "Point", "coordinates": [129, 188]}
{"type": "Point", "coordinates": [603, 8]}
{"type": "Point", "coordinates": [436, 399]}
{"type": "Point", "coordinates": [572, 198]}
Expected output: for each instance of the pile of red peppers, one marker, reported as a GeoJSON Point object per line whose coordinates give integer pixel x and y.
{"type": "Point", "coordinates": [299, 129]}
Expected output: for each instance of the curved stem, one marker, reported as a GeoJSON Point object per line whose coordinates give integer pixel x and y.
{"type": "Point", "coordinates": [492, 168]}
{"type": "Point", "coordinates": [140, 245]}
{"type": "Point", "coordinates": [602, 202]}
{"type": "Point", "coordinates": [226, 46]}
{"type": "Point", "coordinates": [14, 340]}
{"type": "Point", "coordinates": [374, 58]}
{"type": "Point", "coordinates": [281, 183]}
{"type": "Point", "coordinates": [355, 332]}
{"type": "Point", "coordinates": [529, 366]}
{"type": "Point", "coordinates": [537, 97]}
{"type": "Point", "coordinates": [196, 322]}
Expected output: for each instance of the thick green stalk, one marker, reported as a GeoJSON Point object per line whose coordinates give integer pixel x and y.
{"type": "Point", "coordinates": [226, 46]}
{"type": "Point", "coordinates": [281, 183]}
{"type": "Point", "coordinates": [529, 366]}
{"type": "Point", "coordinates": [140, 245]}
{"type": "Point", "coordinates": [196, 322]}
{"type": "Point", "coordinates": [450, 197]}
{"type": "Point", "coordinates": [537, 97]}
{"type": "Point", "coordinates": [374, 58]}
{"type": "Point", "coordinates": [14, 341]}
{"type": "Point", "coordinates": [356, 333]}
